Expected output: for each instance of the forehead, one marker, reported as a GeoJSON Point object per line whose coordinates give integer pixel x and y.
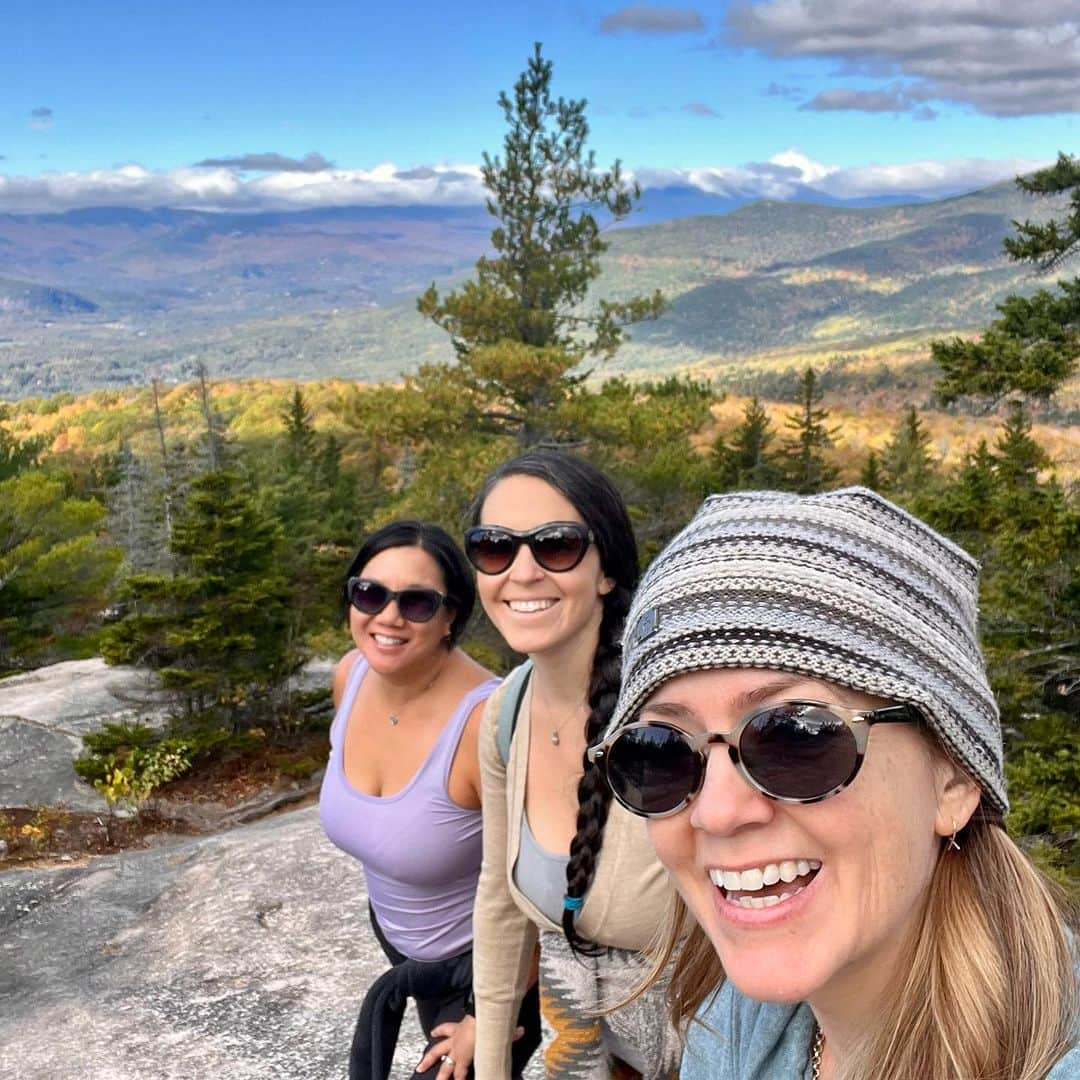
{"type": "Point", "coordinates": [398, 567]}
{"type": "Point", "coordinates": [522, 502]}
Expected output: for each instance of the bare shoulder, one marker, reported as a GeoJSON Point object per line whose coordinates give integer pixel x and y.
{"type": "Point", "coordinates": [341, 673]}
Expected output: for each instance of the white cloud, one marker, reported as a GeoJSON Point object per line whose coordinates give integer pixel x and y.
{"type": "Point", "coordinates": [791, 173]}
{"type": "Point", "coordinates": [1002, 57]}
{"type": "Point", "coordinates": [226, 189]}
{"type": "Point", "coordinates": [788, 174]}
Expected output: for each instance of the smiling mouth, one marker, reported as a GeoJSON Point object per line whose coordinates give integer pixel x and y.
{"type": "Point", "coordinates": [527, 607]}
{"type": "Point", "coordinates": [385, 639]}
{"type": "Point", "coordinates": [765, 886]}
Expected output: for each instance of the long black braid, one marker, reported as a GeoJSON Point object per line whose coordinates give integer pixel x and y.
{"type": "Point", "coordinates": [594, 795]}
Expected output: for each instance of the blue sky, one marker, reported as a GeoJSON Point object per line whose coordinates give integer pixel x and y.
{"type": "Point", "coordinates": [114, 101]}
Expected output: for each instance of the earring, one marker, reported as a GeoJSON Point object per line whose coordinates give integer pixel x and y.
{"type": "Point", "coordinates": [952, 844]}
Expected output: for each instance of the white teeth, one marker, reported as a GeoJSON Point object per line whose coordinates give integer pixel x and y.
{"type": "Point", "coordinates": [530, 605]}
{"type": "Point", "coordinates": [770, 901]}
{"type": "Point", "coordinates": [759, 877]}
{"type": "Point", "coordinates": [751, 880]}
{"type": "Point", "coordinates": [383, 639]}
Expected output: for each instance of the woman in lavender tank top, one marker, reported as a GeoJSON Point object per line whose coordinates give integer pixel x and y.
{"type": "Point", "coordinates": [402, 789]}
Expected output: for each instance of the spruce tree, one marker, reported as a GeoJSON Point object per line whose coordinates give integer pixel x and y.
{"type": "Point", "coordinates": [806, 468]}
{"type": "Point", "coordinates": [906, 460]}
{"type": "Point", "coordinates": [743, 461]}
{"type": "Point", "coordinates": [219, 632]}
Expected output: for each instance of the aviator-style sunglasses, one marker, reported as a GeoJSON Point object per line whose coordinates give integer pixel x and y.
{"type": "Point", "coordinates": [791, 751]}
{"type": "Point", "coordinates": [416, 604]}
{"type": "Point", "coordinates": [556, 546]}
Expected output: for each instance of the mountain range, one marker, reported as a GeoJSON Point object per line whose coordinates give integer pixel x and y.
{"type": "Point", "coordinates": [109, 297]}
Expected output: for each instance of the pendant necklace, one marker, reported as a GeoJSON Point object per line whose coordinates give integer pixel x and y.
{"type": "Point", "coordinates": [394, 718]}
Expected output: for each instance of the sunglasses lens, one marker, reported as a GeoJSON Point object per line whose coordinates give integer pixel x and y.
{"type": "Point", "coordinates": [798, 751]}
{"type": "Point", "coordinates": [368, 597]}
{"type": "Point", "coordinates": [417, 605]}
{"type": "Point", "coordinates": [560, 548]}
{"type": "Point", "coordinates": [652, 769]}
{"type": "Point", "coordinates": [491, 551]}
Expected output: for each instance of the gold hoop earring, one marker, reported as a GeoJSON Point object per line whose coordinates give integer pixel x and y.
{"type": "Point", "coordinates": [952, 844]}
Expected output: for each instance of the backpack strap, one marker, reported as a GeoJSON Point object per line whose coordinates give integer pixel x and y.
{"type": "Point", "coordinates": [509, 707]}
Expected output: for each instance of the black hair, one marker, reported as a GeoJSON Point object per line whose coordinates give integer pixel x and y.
{"type": "Point", "coordinates": [602, 509]}
{"type": "Point", "coordinates": [441, 546]}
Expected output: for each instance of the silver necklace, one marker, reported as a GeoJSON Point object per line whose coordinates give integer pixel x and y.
{"type": "Point", "coordinates": [394, 718]}
{"type": "Point", "coordinates": [816, 1052]}
{"type": "Point", "coordinates": [555, 731]}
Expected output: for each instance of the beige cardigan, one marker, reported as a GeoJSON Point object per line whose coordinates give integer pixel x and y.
{"type": "Point", "coordinates": [624, 907]}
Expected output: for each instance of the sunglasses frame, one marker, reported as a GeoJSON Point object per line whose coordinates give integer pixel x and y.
{"type": "Point", "coordinates": [530, 538]}
{"type": "Point", "coordinates": [858, 722]}
{"type": "Point", "coordinates": [392, 595]}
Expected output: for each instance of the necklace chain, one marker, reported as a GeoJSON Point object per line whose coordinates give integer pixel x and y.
{"type": "Point", "coordinates": [816, 1052]}
{"type": "Point", "coordinates": [394, 718]}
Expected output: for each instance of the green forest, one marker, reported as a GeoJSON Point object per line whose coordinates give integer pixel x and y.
{"type": "Point", "coordinates": [202, 529]}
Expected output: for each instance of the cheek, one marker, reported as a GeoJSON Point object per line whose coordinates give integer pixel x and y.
{"type": "Point", "coordinates": [673, 839]}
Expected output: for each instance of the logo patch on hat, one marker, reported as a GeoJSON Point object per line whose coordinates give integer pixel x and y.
{"type": "Point", "coordinates": [647, 625]}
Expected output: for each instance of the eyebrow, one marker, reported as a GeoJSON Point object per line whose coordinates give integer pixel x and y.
{"type": "Point", "coordinates": [740, 703]}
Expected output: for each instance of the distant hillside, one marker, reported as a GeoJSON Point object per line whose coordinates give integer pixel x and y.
{"type": "Point", "coordinates": [100, 298]}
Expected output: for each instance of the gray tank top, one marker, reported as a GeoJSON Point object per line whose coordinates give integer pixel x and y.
{"type": "Point", "coordinates": [540, 874]}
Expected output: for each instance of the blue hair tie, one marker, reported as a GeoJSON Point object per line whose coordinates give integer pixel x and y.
{"type": "Point", "coordinates": [572, 903]}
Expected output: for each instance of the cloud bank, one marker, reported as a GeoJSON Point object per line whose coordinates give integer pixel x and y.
{"type": "Point", "coordinates": [785, 175]}
{"type": "Point", "coordinates": [1000, 57]}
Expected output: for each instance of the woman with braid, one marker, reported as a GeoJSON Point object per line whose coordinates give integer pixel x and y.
{"type": "Point", "coordinates": [563, 866]}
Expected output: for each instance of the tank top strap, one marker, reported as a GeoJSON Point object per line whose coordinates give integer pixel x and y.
{"type": "Point", "coordinates": [446, 747]}
{"type": "Point", "coordinates": [352, 685]}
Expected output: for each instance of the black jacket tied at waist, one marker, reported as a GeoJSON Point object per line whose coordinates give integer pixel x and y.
{"type": "Point", "coordinates": [376, 1035]}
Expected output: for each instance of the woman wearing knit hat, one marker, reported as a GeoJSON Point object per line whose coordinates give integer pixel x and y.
{"type": "Point", "coordinates": [805, 720]}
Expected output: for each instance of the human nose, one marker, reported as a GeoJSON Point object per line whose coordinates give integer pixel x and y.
{"type": "Point", "coordinates": [727, 802]}
{"type": "Point", "coordinates": [525, 567]}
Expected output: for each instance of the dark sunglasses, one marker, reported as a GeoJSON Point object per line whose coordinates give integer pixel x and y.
{"type": "Point", "coordinates": [791, 751]}
{"type": "Point", "coordinates": [415, 604]}
{"type": "Point", "coordinates": [556, 546]}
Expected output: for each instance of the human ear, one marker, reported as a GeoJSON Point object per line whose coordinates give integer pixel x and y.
{"type": "Point", "coordinates": [958, 796]}
{"type": "Point", "coordinates": [605, 586]}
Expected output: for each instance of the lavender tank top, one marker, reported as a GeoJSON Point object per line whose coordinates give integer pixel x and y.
{"type": "Point", "coordinates": [420, 851]}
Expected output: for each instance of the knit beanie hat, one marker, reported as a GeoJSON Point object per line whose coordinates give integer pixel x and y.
{"type": "Point", "coordinates": [842, 586]}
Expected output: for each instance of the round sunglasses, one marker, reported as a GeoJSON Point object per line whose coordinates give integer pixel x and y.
{"type": "Point", "coordinates": [415, 604]}
{"type": "Point", "coordinates": [556, 546]}
{"type": "Point", "coordinates": [790, 751]}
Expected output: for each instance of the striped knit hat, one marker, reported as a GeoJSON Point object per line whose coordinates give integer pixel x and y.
{"type": "Point", "coordinates": [843, 586]}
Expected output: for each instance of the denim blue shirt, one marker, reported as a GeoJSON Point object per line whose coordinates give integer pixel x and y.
{"type": "Point", "coordinates": [736, 1038]}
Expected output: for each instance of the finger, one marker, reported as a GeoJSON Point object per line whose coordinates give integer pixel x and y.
{"type": "Point", "coordinates": [432, 1055]}
{"type": "Point", "coordinates": [519, 1032]}
{"type": "Point", "coordinates": [446, 1029]}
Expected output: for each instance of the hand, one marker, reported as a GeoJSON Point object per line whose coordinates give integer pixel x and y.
{"type": "Point", "coordinates": [455, 1047]}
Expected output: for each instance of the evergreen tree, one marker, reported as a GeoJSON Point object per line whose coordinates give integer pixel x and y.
{"type": "Point", "coordinates": [220, 631]}
{"type": "Point", "coordinates": [871, 475]}
{"type": "Point", "coordinates": [299, 433]}
{"type": "Point", "coordinates": [906, 461]}
{"type": "Point", "coordinates": [16, 456]}
{"type": "Point", "coordinates": [520, 329]}
{"type": "Point", "coordinates": [1033, 347]}
{"type": "Point", "coordinates": [743, 461]}
{"type": "Point", "coordinates": [55, 564]}
{"type": "Point", "coordinates": [805, 465]}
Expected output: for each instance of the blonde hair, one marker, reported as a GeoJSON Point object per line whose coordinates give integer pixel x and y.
{"type": "Point", "coordinates": [991, 992]}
